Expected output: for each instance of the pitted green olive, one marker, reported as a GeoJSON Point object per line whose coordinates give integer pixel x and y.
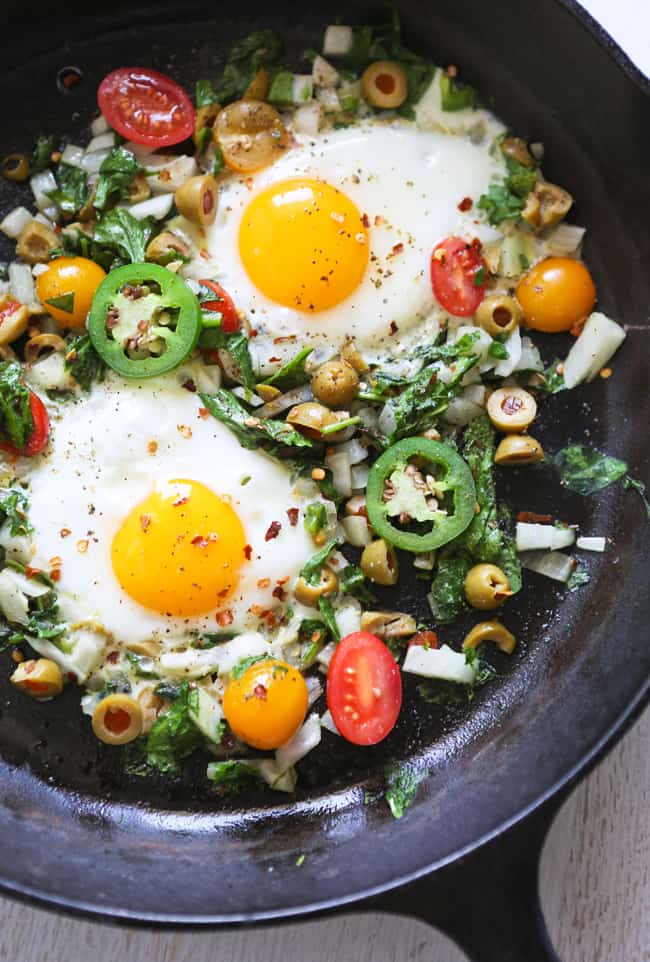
{"type": "Point", "coordinates": [385, 84]}
{"type": "Point", "coordinates": [310, 418]}
{"type": "Point", "coordinates": [308, 594]}
{"type": "Point", "coordinates": [117, 719]}
{"type": "Point", "coordinates": [197, 199]}
{"type": "Point", "coordinates": [335, 383]}
{"type": "Point", "coordinates": [40, 678]}
{"type": "Point", "coordinates": [491, 631]}
{"type": "Point", "coordinates": [499, 314]}
{"type": "Point", "coordinates": [511, 409]}
{"type": "Point", "coordinates": [379, 563]}
{"type": "Point", "coordinates": [486, 587]}
{"type": "Point", "coordinates": [516, 449]}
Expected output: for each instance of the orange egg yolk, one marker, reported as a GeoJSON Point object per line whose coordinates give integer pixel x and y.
{"type": "Point", "coordinates": [179, 552]}
{"type": "Point", "coordinates": [304, 244]}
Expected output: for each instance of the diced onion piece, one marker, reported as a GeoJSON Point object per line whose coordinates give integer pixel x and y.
{"type": "Point", "coordinates": [329, 100]}
{"type": "Point", "coordinates": [73, 156]}
{"type": "Point", "coordinates": [13, 602]}
{"type": "Point", "coordinates": [387, 422]}
{"type": "Point", "coordinates": [323, 73]}
{"type": "Point", "coordinates": [308, 118]}
{"type": "Point", "coordinates": [348, 617]}
{"type": "Point", "coordinates": [196, 662]}
{"type": "Point", "coordinates": [21, 283]}
{"type": "Point", "coordinates": [481, 339]}
{"type": "Point", "coordinates": [513, 347]}
{"type": "Point", "coordinates": [475, 393]}
{"type": "Point", "coordinates": [14, 222]}
{"type": "Point", "coordinates": [544, 537]}
{"type": "Point", "coordinates": [327, 722]}
{"type": "Point", "coordinates": [324, 656]}
{"type": "Point", "coordinates": [460, 411]}
{"type": "Point", "coordinates": [173, 175]}
{"type": "Point", "coordinates": [306, 738]}
{"type": "Point", "coordinates": [302, 88]}
{"type": "Point", "coordinates": [49, 374]}
{"type": "Point", "coordinates": [591, 543]}
{"type": "Point", "coordinates": [143, 152]}
{"type": "Point", "coordinates": [530, 359]}
{"type": "Point", "coordinates": [552, 564]}
{"type": "Point", "coordinates": [337, 41]}
{"type": "Point", "coordinates": [99, 126]}
{"type": "Point", "coordinates": [369, 417]}
{"type": "Point", "coordinates": [85, 649]}
{"type": "Point", "coordinates": [93, 161]}
{"type": "Point", "coordinates": [357, 532]}
{"type": "Point", "coordinates": [597, 344]}
{"type": "Point", "coordinates": [207, 714]}
{"type": "Point", "coordinates": [339, 465]}
{"type": "Point", "coordinates": [424, 561]}
{"type": "Point", "coordinates": [295, 396]}
{"type": "Point", "coordinates": [42, 184]}
{"type": "Point", "coordinates": [253, 399]}
{"type": "Point", "coordinates": [102, 142]}
{"type": "Point", "coordinates": [356, 451]}
{"type": "Point", "coordinates": [156, 207]}
{"type": "Point", "coordinates": [443, 663]}
{"type": "Point", "coordinates": [360, 474]}
{"type": "Point", "coordinates": [314, 689]}
{"type": "Point", "coordinates": [49, 222]}
{"type": "Point", "coordinates": [565, 240]}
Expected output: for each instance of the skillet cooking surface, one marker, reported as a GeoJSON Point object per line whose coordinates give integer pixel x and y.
{"type": "Point", "coordinates": [79, 836]}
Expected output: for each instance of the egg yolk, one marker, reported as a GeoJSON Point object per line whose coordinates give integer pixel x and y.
{"type": "Point", "coordinates": [304, 244]}
{"type": "Point", "coordinates": [179, 552]}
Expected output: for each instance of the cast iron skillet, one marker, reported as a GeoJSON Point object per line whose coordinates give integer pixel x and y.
{"type": "Point", "coordinates": [75, 833]}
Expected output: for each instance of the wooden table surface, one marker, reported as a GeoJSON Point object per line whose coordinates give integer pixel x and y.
{"type": "Point", "coordinates": [595, 883]}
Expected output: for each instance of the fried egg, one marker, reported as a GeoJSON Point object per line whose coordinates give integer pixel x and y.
{"type": "Point", "coordinates": [335, 238]}
{"type": "Point", "coordinates": [155, 519]}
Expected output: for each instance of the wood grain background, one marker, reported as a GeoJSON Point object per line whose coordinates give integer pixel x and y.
{"type": "Point", "coordinates": [595, 884]}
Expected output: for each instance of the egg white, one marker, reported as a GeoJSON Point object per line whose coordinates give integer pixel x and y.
{"type": "Point", "coordinates": [409, 183]}
{"type": "Point", "coordinates": [101, 465]}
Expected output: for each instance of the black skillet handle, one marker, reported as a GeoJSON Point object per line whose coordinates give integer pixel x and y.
{"type": "Point", "coordinates": [488, 902]}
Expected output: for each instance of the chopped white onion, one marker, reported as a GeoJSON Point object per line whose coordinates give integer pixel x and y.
{"type": "Point", "coordinates": [314, 689]}
{"type": "Point", "coordinates": [475, 393]}
{"type": "Point", "coordinates": [329, 100]}
{"type": "Point", "coordinates": [348, 617]}
{"type": "Point", "coordinates": [306, 738]}
{"type": "Point", "coordinates": [597, 344]}
{"type": "Point", "coordinates": [544, 537]}
{"type": "Point", "coordinates": [308, 117]}
{"type": "Point", "coordinates": [565, 240]}
{"type": "Point", "coordinates": [92, 162]}
{"type": "Point", "coordinates": [86, 644]}
{"type": "Point", "coordinates": [52, 213]}
{"type": "Point", "coordinates": [530, 359]}
{"type": "Point", "coordinates": [253, 399]}
{"type": "Point", "coordinates": [337, 41]}
{"type": "Point", "coordinates": [339, 465]}
{"type": "Point", "coordinates": [369, 417]}
{"type": "Point", "coordinates": [21, 283]}
{"type": "Point", "coordinates": [481, 343]}
{"type": "Point", "coordinates": [387, 422]}
{"type": "Point", "coordinates": [99, 126]}
{"type": "Point", "coordinates": [357, 532]}
{"type": "Point", "coordinates": [15, 221]}
{"type": "Point", "coordinates": [144, 152]}
{"type": "Point", "coordinates": [553, 564]}
{"type": "Point", "coordinates": [324, 656]}
{"type": "Point", "coordinates": [104, 141]}
{"type": "Point", "coordinates": [355, 449]}
{"type": "Point", "coordinates": [424, 561]}
{"type": "Point", "coordinates": [360, 474]}
{"type": "Point", "coordinates": [591, 543]}
{"type": "Point", "coordinates": [42, 184]}
{"type": "Point", "coordinates": [13, 602]}
{"type": "Point", "coordinates": [49, 374]}
{"type": "Point", "coordinates": [327, 722]}
{"type": "Point", "coordinates": [323, 73]}
{"type": "Point", "coordinates": [156, 207]}
{"type": "Point", "coordinates": [173, 175]}
{"type": "Point", "coordinates": [460, 411]}
{"type": "Point", "coordinates": [443, 663]}
{"type": "Point", "coordinates": [295, 396]}
{"type": "Point", "coordinates": [513, 347]}
{"type": "Point", "coordinates": [73, 156]}
{"type": "Point", "coordinates": [49, 222]}
{"type": "Point", "coordinates": [302, 88]}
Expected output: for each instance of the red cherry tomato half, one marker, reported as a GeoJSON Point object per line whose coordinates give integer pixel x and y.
{"type": "Point", "coordinates": [364, 689]}
{"type": "Point", "coordinates": [40, 434]}
{"type": "Point", "coordinates": [458, 276]}
{"type": "Point", "coordinates": [146, 106]}
{"type": "Point", "coordinates": [424, 639]}
{"type": "Point", "coordinates": [223, 305]}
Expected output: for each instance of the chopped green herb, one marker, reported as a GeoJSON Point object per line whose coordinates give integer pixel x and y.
{"type": "Point", "coordinates": [312, 636]}
{"type": "Point", "coordinates": [352, 581]}
{"type": "Point", "coordinates": [233, 776]}
{"type": "Point", "coordinates": [498, 350]}
{"type": "Point", "coordinates": [252, 433]}
{"type": "Point", "coordinates": [281, 90]}
{"type": "Point", "coordinates": [16, 421]}
{"type": "Point", "coordinates": [115, 176]}
{"type": "Point", "coordinates": [71, 193]}
{"type": "Point", "coordinates": [455, 95]}
{"type": "Point", "coordinates": [483, 538]}
{"type": "Point", "coordinates": [236, 344]}
{"type": "Point", "coordinates": [315, 517]}
{"type": "Point", "coordinates": [312, 568]}
{"type": "Point", "coordinates": [219, 161]}
{"type": "Point", "coordinates": [401, 787]}
{"type": "Point", "coordinates": [553, 381]}
{"type": "Point", "coordinates": [174, 735]}
{"type": "Point", "coordinates": [300, 860]}
{"type": "Point", "coordinates": [41, 153]}
{"type": "Point", "coordinates": [13, 509]}
{"type": "Point", "coordinates": [327, 612]}
{"type": "Point", "coordinates": [205, 94]}
{"type": "Point", "coordinates": [584, 470]}
{"type": "Point", "coordinates": [242, 666]}
{"type": "Point", "coordinates": [262, 48]}
{"type": "Point", "coordinates": [578, 578]}
{"type": "Point", "coordinates": [506, 199]}
{"type": "Point", "coordinates": [448, 588]}
{"type": "Point", "coordinates": [293, 373]}
{"type": "Point", "coordinates": [83, 362]}
{"type": "Point", "coordinates": [121, 233]}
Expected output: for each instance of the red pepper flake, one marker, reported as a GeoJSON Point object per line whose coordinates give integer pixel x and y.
{"type": "Point", "coordinates": [282, 581]}
{"type": "Point", "coordinates": [204, 413]}
{"type": "Point", "coordinates": [152, 447]}
{"type": "Point", "coordinates": [211, 355]}
{"type": "Point", "coordinates": [204, 254]}
{"type": "Point", "coordinates": [260, 692]}
{"type": "Point", "coordinates": [273, 531]}
{"type": "Point", "coordinates": [531, 517]}
{"type": "Point", "coordinates": [189, 385]}
{"type": "Point", "coordinates": [185, 431]}
{"type": "Point", "coordinates": [256, 610]}
{"type": "Point", "coordinates": [275, 360]}
{"type": "Point", "coordinates": [279, 593]}
{"type": "Point", "coordinates": [224, 618]}
{"type": "Point", "coordinates": [113, 658]}
{"type": "Point", "coordinates": [82, 546]}
{"type": "Point", "coordinates": [55, 574]}
{"type": "Point", "coordinates": [576, 330]}
{"type": "Point", "coordinates": [263, 583]}
{"type": "Point", "coordinates": [200, 541]}
{"type": "Point", "coordinates": [248, 551]}
{"type": "Point", "coordinates": [292, 514]}
{"type": "Point", "coordinates": [365, 220]}
{"type": "Point", "coordinates": [64, 532]}
{"type": "Point", "coordinates": [31, 572]}
{"type": "Point", "coordinates": [179, 502]}
{"type": "Point", "coordinates": [465, 204]}
{"type": "Point", "coordinates": [145, 521]}
{"type": "Point", "coordinates": [396, 249]}
{"type": "Point", "coordinates": [393, 327]}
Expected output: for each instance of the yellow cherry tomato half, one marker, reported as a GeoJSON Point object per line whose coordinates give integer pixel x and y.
{"type": "Point", "coordinates": [66, 289]}
{"type": "Point", "coordinates": [267, 704]}
{"type": "Point", "coordinates": [556, 294]}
